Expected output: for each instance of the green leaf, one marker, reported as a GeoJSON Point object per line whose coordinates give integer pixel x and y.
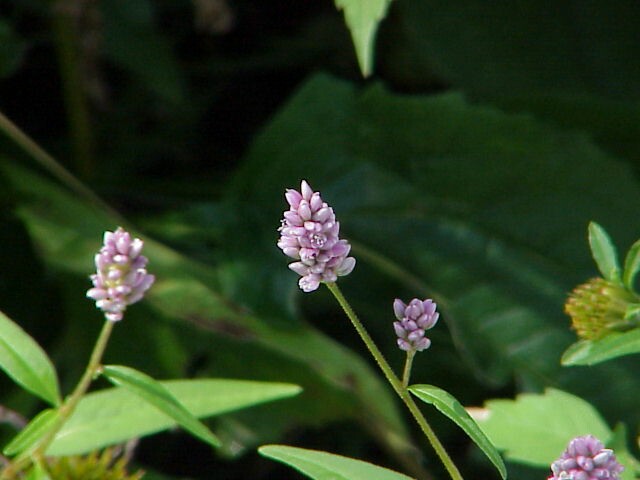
{"type": "Point", "coordinates": [592, 352]}
{"type": "Point", "coordinates": [604, 252]}
{"type": "Point", "coordinates": [328, 466]}
{"type": "Point", "coordinates": [631, 265]}
{"type": "Point", "coordinates": [449, 406]}
{"type": "Point", "coordinates": [37, 472]}
{"type": "Point", "coordinates": [12, 49]}
{"type": "Point", "coordinates": [157, 395]}
{"type": "Point", "coordinates": [115, 415]}
{"type": "Point", "coordinates": [29, 436]}
{"type": "Point", "coordinates": [67, 233]}
{"type": "Point", "coordinates": [26, 363]}
{"type": "Point", "coordinates": [632, 311]}
{"type": "Point", "coordinates": [535, 429]}
{"type": "Point", "coordinates": [618, 444]}
{"type": "Point", "coordinates": [363, 17]}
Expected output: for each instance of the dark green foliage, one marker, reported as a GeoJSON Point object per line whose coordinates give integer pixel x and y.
{"type": "Point", "coordinates": [466, 170]}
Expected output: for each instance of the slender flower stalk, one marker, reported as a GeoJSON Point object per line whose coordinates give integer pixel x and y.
{"type": "Point", "coordinates": [406, 373]}
{"type": "Point", "coordinates": [120, 280]}
{"type": "Point", "coordinates": [397, 385]}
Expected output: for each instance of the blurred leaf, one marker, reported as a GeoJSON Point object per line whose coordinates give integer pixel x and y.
{"type": "Point", "coordinates": [604, 253]}
{"type": "Point", "coordinates": [34, 431]}
{"type": "Point", "coordinates": [327, 466]}
{"type": "Point", "coordinates": [363, 17]}
{"type": "Point", "coordinates": [631, 265]}
{"type": "Point", "coordinates": [26, 363]}
{"type": "Point", "coordinates": [114, 415]}
{"type": "Point", "coordinates": [156, 394]}
{"type": "Point", "coordinates": [535, 429]}
{"type": "Point", "coordinates": [592, 352]}
{"type": "Point", "coordinates": [133, 42]}
{"type": "Point", "coordinates": [483, 211]}
{"type": "Point", "coordinates": [67, 232]}
{"type": "Point", "coordinates": [619, 445]}
{"type": "Point", "coordinates": [503, 48]}
{"type": "Point", "coordinates": [449, 406]}
{"type": "Point", "coordinates": [12, 49]}
{"type": "Point", "coordinates": [37, 472]}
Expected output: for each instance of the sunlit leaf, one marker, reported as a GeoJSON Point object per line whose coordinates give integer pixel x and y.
{"type": "Point", "coordinates": [592, 352]}
{"type": "Point", "coordinates": [26, 363]}
{"type": "Point", "coordinates": [115, 415]}
{"type": "Point", "coordinates": [327, 466]}
{"type": "Point", "coordinates": [535, 429]}
{"type": "Point", "coordinates": [28, 437]}
{"type": "Point", "coordinates": [156, 394]}
{"type": "Point", "coordinates": [449, 406]}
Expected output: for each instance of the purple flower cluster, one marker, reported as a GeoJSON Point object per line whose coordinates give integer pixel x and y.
{"type": "Point", "coordinates": [586, 459]}
{"type": "Point", "coordinates": [121, 276]}
{"type": "Point", "coordinates": [310, 234]}
{"type": "Point", "coordinates": [413, 320]}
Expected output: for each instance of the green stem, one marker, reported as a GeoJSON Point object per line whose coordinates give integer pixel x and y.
{"type": "Point", "coordinates": [406, 374]}
{"type": "Point", "coordinates": [79, 120]}
{"type": "Point", "coordinates": [50, 164]}
{"type": "Point", "coordinates": [69, 405]}
{"type": "Point", "coordinates": [397, 385]}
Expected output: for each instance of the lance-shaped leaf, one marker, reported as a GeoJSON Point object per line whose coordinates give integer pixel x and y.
{"type": "Point", "coordinates": [34, 431]}
{"type": "Point", "coordinates": [328, 466]}
{"type": "Point", "coordinates": [535, 429]}
{"type": "Point", "coordinates": [115, 415]}
{"type": "Point", "coordinates": [631, 265]}
{"type": "Point", "coordinates": [26, 363]}
{"type": "Point", "coordinates": [157, 395]}
{"type": "Point", "coordinates": [592, 352]}
{"type": "Point", "coordinates": [363, 17]}
{"type": "Point", "coordinates": [452, 408]}
{"type": "Point", "coordinates": [604, 252]}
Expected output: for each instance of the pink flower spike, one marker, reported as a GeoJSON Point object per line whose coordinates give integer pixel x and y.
{"type": "Point", "coordinates": [310, 233]}
{"type": "Point", "coordinates": [413, 319]}
{"type": "Point", "coordinates": [121, 277]}
{"type": "Point", "coordinates": [586, 458]}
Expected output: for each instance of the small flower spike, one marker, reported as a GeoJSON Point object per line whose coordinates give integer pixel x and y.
{"type": "Point", "coordinates": [309, 234]}
{"type": "Point", "coordinates": [413, 320]}
{"type": "Point", "coordinates": [121, 276]}
{"type": "Point", "coordinates": [586, 459]}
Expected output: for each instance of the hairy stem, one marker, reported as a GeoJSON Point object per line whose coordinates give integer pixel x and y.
{"type": "Point", "coordinates": [397, 385]}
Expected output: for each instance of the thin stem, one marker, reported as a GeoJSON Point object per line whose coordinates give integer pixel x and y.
{"type": "Point", "coordinates": [50, 164]}
{"type": "Point", "coordinates": [406, 374]}
{"type": "Point", "coordinates": [397, 385]}
{"type": "Point", "coordinates": [69, 405]}
{"type": "Point", "coordinates": [66, 41]}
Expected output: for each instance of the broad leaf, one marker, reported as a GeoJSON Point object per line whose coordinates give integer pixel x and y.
{"type": "Point", "coordinates": [618, 444]}
{"type": "Point", "coordinates": [604, 253]}
{"type": "Point", "coordinates": [328, 466]}
{"type": "Point", "coordinates": [115, 415]}
{"type": "Point", "coordinates": [592, 352]}
{"type": "Point", "coordinates": [449, 406]}
{"type": "Point", "coordinates": [483, 211]}
{"type": "Point", "coordinates": [28, 437]}
{"type": "Point", "coordinates": [153, 392]}
{"type": "Point", "coordinates": [535, 429]}
{"type": "Point", "coordinates": [631, 265]}
{"type": "Point", "coordinates": [26, 363]}
{"type": "Point", "coordinates": [363, 17]}
{"type": "Point", "coordinates": [67, 232]}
